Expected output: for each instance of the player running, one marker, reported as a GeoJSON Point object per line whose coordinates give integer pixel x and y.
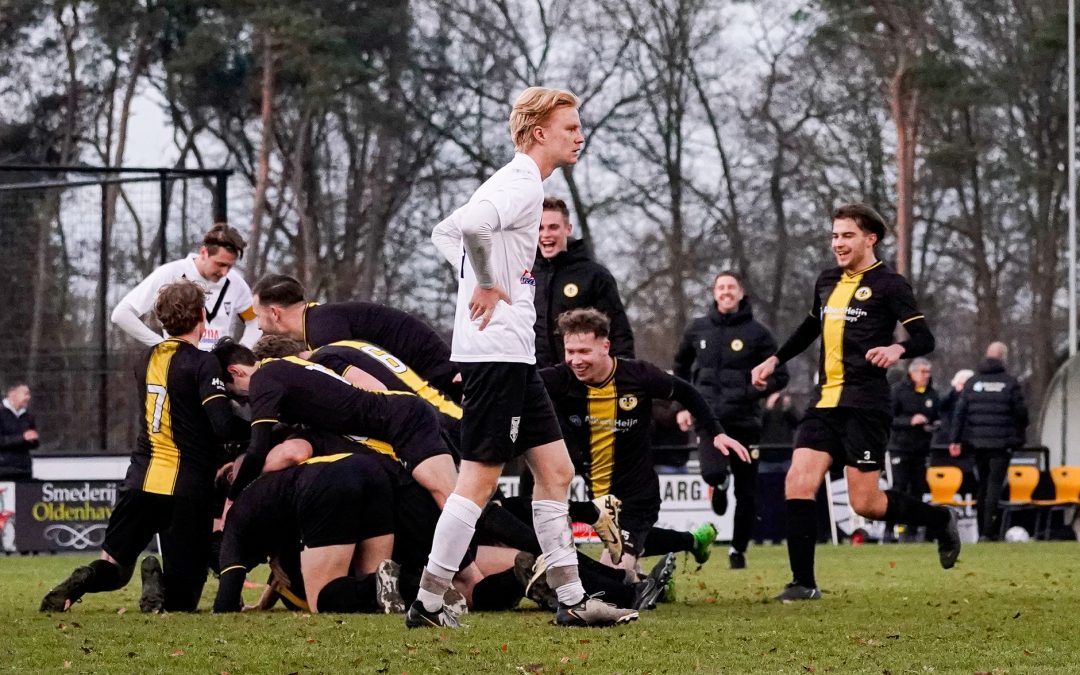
{"type": "Point", "coordinates": [856, 308]}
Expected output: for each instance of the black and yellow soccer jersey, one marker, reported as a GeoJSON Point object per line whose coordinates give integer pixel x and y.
{"type": "Point", "coordinates": [855, 313]}
{"type": "Point", "coordinates": [607, 426]}
{"type": "Point", "coordinates": [388, 369]}
{"type": "Point", "coordinates": [398, 332]}
{"type": "Point", "coordinates": [184, 413]}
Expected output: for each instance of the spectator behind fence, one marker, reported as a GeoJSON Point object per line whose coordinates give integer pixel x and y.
{"type": "Point", "coordinates": [717, 353]}
{"type": "Point", "coordinates": [990, 420]}
{"type": "Point", "coordinates": [914, 418]}
{"type": "Point", "coordinates": [779, 421]}
{"type": "Point", "coordinates": [568, 278]}
{"type": "Point", "coordinates": [213, 268]}
{"type": "Point", "coordinates": [947, 406]}
{"type": "Point", "coordinates": [18, 434]}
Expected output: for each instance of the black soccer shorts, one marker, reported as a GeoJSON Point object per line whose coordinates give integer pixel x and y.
{"type": "Point", "coordinates": [852, 436]}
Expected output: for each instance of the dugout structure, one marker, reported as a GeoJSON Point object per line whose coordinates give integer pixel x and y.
{"type": "Point", "coordinates": [75, 240]}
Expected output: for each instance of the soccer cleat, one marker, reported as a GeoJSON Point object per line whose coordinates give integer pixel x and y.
{"type": "Point", "coordinates": [647, 593]}
{"type": "Point", "coordinates": [68, 592]}
{"type": "Point", "coordinates": [607, 525]}
{"type": "Point", "coordinates": [536, 585]}
{"type": "Point", "coordinates": [669, 594]}
{"type": "Point", "coordinates": [948, 542]}
{"type": "Point", "coordinates": [454, 602]}
{"type": "Point", "coordinates": [387, 587]}
{"type": "Point", "coordinates": [736, 560]}
{"type": "Point", "coordinates": [152, 600]}
{"type": "Point", "coordinates": [593, 612]}
{"type": "Point", "coordinates": [794, 591]}
{"type": "Point", "coordinates": [418, 617]}
{"type": "Point", "coordinates": [704, 536]}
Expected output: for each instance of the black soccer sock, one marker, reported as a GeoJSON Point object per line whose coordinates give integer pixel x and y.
{"type": "Point", "coordinates": [906, 509]}
{"type": "Point", "coordinates": [349, 595]}
{"type": "Point", "coordinates": [662, 541]}
{"type": "Point", "coordinates": [615, 574]}
{"type": "Point", "coordinates": [615, 589]}
{"type": "Point", "coordinates": [230, 589]}
{"type": "Point", "coordinates": [584, 512]}
{"type": "Point", "coordinates": [497, 592]}
{"type": "Point", "coordinates": [801, 540]}
{"type": "Point", "coordinates": [107, 576]}
{"type": "Point", "coordinates": [505, 528]}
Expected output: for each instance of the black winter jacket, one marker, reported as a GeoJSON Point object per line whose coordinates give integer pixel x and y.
{"type": "Point", "coordinates": [717, 353]}
{"type": "Point", "coordinates": [991, 413]}
{"type": "Point", "coordinates": [906, 403]}
{"type": "Point", "coordinates": [571, 280]}
{"type": "Point", "coordinates": [14, 449]}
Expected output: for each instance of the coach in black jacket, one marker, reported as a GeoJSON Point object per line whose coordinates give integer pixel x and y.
{"type": "Point", "coordinates": [18, 434]}
{"type": "Point", "coordinates": [915, 415]}
{"type": "Point", "coordinates": [717, 353]}
{"type": "Point", "coordinates": [568, 278]}
{"type": "Point", "coordinates": [990, 421]}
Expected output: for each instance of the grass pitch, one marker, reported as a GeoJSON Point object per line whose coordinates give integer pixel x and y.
{"type": "Point", "coordinates": [887, 609]}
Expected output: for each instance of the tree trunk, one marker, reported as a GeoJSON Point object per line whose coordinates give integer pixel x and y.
{"type": "Point", "coordinates": [903, 102]}
{"type": "Point", "coordinates": [266, 139]}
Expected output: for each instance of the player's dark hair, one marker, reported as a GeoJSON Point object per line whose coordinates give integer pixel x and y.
{"type": "Point", "coordinates": [179, 306]}
{"type": "Point", "coordinates": [728, 273]}
{"type": "Point", "coordinates": [585, 320]}
{"type": "Point", "coordinates": [276, 346]}
{"type": "Point", "coordinates": [231, 353]}
{"type": "Point", "coordinates": [865, 217]}
{"type": "Point", "coordinates": [222, 236]}
{"type": "Point", "coordinates": [279, 290]}
{"type": "Point", "coordinates": [556, 204]}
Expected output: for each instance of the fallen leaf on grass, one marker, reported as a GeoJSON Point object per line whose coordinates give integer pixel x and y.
{"type": "Point", "coordinates": [178, 652]}
{"type": "Point", "coordinates": [584, 642]}
{"type": "Point", "coordinates": [311, 641]}
{"type": "Point", "coordinates": [583, 656]}
{"type": "Point", "coordinates": [808, 669]}
{"type": "Point", "coordinates": [1017, 615]}
{"type": "Point", "coordinates": [892, 564]}
{"type": "Point", "coordinates": [67, 664]}
{"type": "Point", "coordinates": [122, 610]}
{"type": "Point", "coordinates": [893, 637]}
{"type": "Point", "coordinates": [565, 659]}
{"type": "Point", "coordinates": [504, 647]}
{"type": "Point", "coordinates": [1027, 652]}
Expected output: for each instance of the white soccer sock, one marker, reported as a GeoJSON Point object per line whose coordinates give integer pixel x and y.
{"type": "Point", "coordinates": [551, 520]}
{"type": "Point", "coordinates": [453, 534]}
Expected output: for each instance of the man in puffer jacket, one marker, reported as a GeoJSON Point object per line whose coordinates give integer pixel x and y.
{"type": "Point", "coordinates": [568, 278]}
{"type": "Point", "coordinates": [990, 421]}
{"type": "Point", "coordinates": [717, 353]}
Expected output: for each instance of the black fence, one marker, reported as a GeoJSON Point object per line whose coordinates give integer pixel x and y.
{"type": "Point", "coordinates": [76, 239]}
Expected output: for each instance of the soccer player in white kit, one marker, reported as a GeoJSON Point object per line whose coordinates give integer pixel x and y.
{"type": "Point", "coordinates": [227, 294]}
{"type": "Point", "coordinates": [506, 410]}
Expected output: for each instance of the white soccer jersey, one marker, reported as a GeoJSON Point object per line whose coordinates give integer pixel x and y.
{"type": "Point", "coordinates": [226, 298]}
{"type": "Point", "coordinates": [517, 193]}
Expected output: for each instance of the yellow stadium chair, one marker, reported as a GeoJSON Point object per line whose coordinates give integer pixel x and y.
{"type": "Point", "coordinates": [1066, 494]}
{"type": "Point", "coordinates": [1022, 480]}
{"type": "Point", "coordinates": [945, 482]}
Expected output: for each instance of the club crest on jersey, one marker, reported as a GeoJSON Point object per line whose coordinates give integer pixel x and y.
{"type": "Point", "coordinates": [570, 290]}
{"type": "Point", "coordinates": [737, 345]}
{"type": "Point", "coordinates": [527, 279]}
{"type": "Point", "coordinates": [628, 402]}
{"type": "Point", "coordinates": [863, 293]}
{"type": "Point", "coordinates": [515, 426]}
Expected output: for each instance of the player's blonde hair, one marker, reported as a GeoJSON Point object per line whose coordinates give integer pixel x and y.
{"type": "Point", "coordinates": [532, 109]}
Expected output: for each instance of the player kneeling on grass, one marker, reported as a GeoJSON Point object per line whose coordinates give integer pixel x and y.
{"type": "Point", "coordinates": [341, 509]}
{"type": "Point", "coordinates": [169, 485]}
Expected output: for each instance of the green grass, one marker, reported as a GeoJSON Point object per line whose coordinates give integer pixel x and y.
{"type": "Point", "coordinates": [1005, 608]}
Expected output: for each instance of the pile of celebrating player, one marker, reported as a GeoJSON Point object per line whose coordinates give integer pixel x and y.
{"type": "Point", "coordinates": [366, 452]}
